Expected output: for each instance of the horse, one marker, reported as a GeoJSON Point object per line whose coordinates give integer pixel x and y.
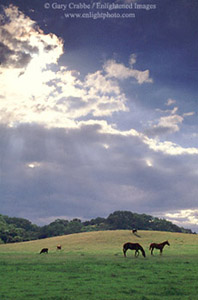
{"type": "Point", "coordinates": [44, 250]}
{"type": "Point", "coordinates": [158, 246]}
{"type": "Point", "coordinates": [58, 247]}
{"type": "Point", "coordinates": [134, 231]}
{"type": "Point", "coordinates": [133, 246]}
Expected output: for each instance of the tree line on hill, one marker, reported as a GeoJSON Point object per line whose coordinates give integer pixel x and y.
{"type": "Point", "coordinates": [14, 229]}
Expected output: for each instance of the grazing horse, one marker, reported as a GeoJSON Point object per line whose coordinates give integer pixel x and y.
{"type": "Point", "coordinates": [58, 247]}
{"type": "Point", "coordinates": [158, 246]}
{"type": "Point", "coordinates": [44, 250]}
{"type": "Point", "coordinates": [133, 246]}
{"type": "Point", "coordinates": [134, 231]}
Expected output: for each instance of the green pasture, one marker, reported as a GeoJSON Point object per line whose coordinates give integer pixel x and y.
{"type": "Point", "coordinates": [92, 266]}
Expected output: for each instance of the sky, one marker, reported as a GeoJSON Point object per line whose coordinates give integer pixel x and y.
{"type": "Point", "coordinates": [98, 109]}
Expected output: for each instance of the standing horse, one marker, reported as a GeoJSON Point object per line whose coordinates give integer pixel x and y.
{"type": "Point", "coordinates": [133, 246]}
{"type": "Point", "coordinates": [158, 246]}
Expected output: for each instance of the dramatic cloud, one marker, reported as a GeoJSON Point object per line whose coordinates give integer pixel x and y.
{"type": "Point", "coordinates": [71, 144]}
{"type": "Point", "coordinates": [86, 172]}
{"type": "Point", "coordinates": [25, 71]}
{"type": "Point", "coordinates": [35, 91]}
{"type": "Point", "coordinates": [22, 41]}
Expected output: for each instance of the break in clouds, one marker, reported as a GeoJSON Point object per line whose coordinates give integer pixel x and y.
{"type": "Point", "coordinates": [63, 154]}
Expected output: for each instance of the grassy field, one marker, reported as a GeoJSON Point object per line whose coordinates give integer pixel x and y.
{"type": "Point", "coordinates": [92, 266]}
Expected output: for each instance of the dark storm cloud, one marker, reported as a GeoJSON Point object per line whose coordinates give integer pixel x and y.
{"type": "Point", "coordinates": [19, 55]}
{"type": "Point", "coordinates": [15, 59]}
{"type": "Point", "coordinates": [49, 47]}
{"type": "Point", "coordinates": [56, 172]}
{"type": "Point", "coordinates": [4, 52]}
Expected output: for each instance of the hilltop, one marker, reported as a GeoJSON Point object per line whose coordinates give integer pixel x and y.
{"type": "Point", "coordinates": [14, 229]}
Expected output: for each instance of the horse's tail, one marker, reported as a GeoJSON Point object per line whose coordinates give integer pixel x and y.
{"type": "Point", "coordinates": [143, 252]}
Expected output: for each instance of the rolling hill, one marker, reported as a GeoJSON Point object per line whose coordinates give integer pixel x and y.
{"type": "Point", "coordinates": [106, 242]}
{"type": "Point", "coordinates": [14, 229]}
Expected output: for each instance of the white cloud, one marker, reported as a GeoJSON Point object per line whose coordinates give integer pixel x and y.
{"type": "Point", "coordinates": [132, 59]}
{"type": "Point", "coordinates": [35, 92]}
{"type": "Point", "coordinates": [170, 123]}
{"type": "Point", "coordinates": [149, 162]}
{"type": "Point", "coordinates": [189, 114]}
{"type": "Point", "coordinates": [170, 102]}
{"type": "Point", "coordinates": [33, 165]}
{"type": "Point", "coordinates": [174, 110]}
{"type": "Point", "coordinates": [166, 147]}
{"type": "Point", "coordinates": [98, 83]}
{"type": "Point", "coordinates": [120, 71]}
{"type": "Point", "coordinates": [104, 95]}
{"type": "Point", "coordinates": [185, 217]}
{"type": "Point", "coordinates": [190, 215]}
{"type": "Point", "coordinates": [169, 111]}
{"type": "Point", "coordinates": [35, 89]}
{"type": "Point", "coordinates": [165, 125]}
{"type": "Point", "coordinates": [23, 39]}
{"type": "Point", "coordinates": [32, 91]}
{"type": "Point", "coordinates": [24, 83]}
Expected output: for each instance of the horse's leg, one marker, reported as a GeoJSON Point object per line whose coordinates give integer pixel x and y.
{"type": "Point", "coordinates": [161, 251]}
{"type": "Point", "coordinates": [124, 251]}
{"type": "Point", "coordinates": [152, 251]}
{"type": "Point", "coordinates": [137, 253]}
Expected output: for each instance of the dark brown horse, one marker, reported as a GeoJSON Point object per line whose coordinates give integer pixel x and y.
{"type": "Point", "coordinates": [158, 246]}
{"type": "Point", "coordinates": [44, 250]}
{"type": "Point", "coordinates": [58, 247]}
{"type": "Point", "coordinates": [133, 246]}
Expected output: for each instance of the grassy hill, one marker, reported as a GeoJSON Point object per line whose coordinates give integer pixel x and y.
{"type": "Point", "coordinates": [91, 266]}
{"type": "Point", "coordinates": [102, 242]}
{"type": "Point", "coordinates": [14, 229]}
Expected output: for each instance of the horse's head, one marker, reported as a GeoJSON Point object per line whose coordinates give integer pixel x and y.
{"type": "Point", "coordinates": [167, 243]}
{"type": "Point", "coordinates": [143, 253]}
